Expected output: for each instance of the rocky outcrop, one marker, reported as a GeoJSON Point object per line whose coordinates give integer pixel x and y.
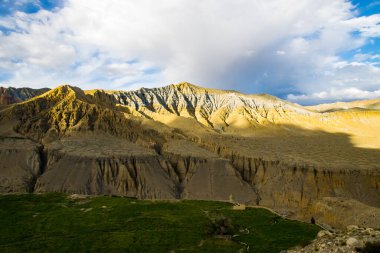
{"type": "Point", "coordinates": [354, 239]}
{"type": "Point", "coordinates": [20, 164]}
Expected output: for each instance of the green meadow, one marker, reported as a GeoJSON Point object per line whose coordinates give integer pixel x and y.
{"type": "Point", "coordinates": [56, 222]}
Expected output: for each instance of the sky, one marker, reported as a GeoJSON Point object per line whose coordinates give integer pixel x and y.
{"type": "Point", "coordinates": [308, 52]}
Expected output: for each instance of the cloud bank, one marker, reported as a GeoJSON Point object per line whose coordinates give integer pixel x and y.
{"type": "Point", "coordinates": [292, 49]}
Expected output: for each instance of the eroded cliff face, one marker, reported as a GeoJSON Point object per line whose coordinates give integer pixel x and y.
{"type": "Point", "coordinates": [204, 175]}
{"type": "Point", "coordinates": [291, 185]}
{"type": "Point", "coordinates": [20, 164]}
{"type": "Point", "coordinates": [106, 165]}
{"type": "Point", "coordinates": [140, 176]}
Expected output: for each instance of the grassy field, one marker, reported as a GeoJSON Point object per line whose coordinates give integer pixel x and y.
{"type": "Point", "coordinates": [58, 223]}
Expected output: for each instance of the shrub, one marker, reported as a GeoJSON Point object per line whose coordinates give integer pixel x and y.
{"type": "Point", "coordinates": [220, 225]}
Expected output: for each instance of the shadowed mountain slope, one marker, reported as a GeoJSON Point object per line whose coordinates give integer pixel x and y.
{"type": "Point", "coordinates": [15, 95]}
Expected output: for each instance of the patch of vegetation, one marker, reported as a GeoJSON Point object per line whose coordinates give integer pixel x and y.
{"type": "Point", "coordinates": [219, 225]}
{"type": "Point", "coordinates": [57, 223]}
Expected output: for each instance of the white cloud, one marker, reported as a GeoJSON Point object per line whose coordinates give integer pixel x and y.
{"type": "Point", "coordinates": [346, 94]}
{"type": "Point", "coordinates": [343, 81]}
{"type": "Point", "coordinates": [369, 26]}
{"type": "Point", "coordinates": [367, 57]}
{"type": "Point", "coordinates": [346, 81]}
{"type": "Point", "coordinates": [220, 43]}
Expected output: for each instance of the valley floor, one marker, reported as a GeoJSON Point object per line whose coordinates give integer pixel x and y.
{"type": "Point", "coordinates": [56, 222]}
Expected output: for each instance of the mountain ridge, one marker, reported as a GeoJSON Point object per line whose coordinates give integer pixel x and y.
{"type": "Point", "coordinates": [25, 93]}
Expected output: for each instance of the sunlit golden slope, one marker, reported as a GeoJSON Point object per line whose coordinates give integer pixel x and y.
{"type": "Point", "coordinates": [68, 110]}
{"type": "Point", "coordinates": [373, 104]}
{"type": "Point", "coordinates": [194, 109]}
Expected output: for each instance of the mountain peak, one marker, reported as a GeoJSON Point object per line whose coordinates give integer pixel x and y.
{"type": "Point", "coordinates": [187, 86]}
{"type": "Point", "coordinates": [64, 91]}
{"type": "Point", "coordinates": [66, 88]}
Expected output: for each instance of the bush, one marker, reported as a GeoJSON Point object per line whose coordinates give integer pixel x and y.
{"type": "Point", "coordinates": [220, 225]}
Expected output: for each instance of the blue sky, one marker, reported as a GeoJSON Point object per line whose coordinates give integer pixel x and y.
{"type": "Point", "coordinates": [310, 51]}
{"type": "Point", "coordinates": [9, 7]}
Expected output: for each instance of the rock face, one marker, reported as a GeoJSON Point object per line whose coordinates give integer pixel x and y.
{"type": "Point", "coordinates": [184, 141]}
{"type": "Point", "coordinates": [99, 165]}
{"type": "Point", "coordinates": [280, 185]}
{"type": "Point", "coordinates": [20, 165]}
{"type": "Point", "coordinates": [291, 186]}
{"type": "Point", "coordinates": [212, 108]}
{"type": "Point", "coordinates": [203, 175]}
{"type": "Point", "coordinates": [287, 183]}
{"type": "Point", "coordinates": [105, 165]}
{"type": "Point", "coordinates": [353, 240]}
{"type": "Point", "coordinates": [15, 95]}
